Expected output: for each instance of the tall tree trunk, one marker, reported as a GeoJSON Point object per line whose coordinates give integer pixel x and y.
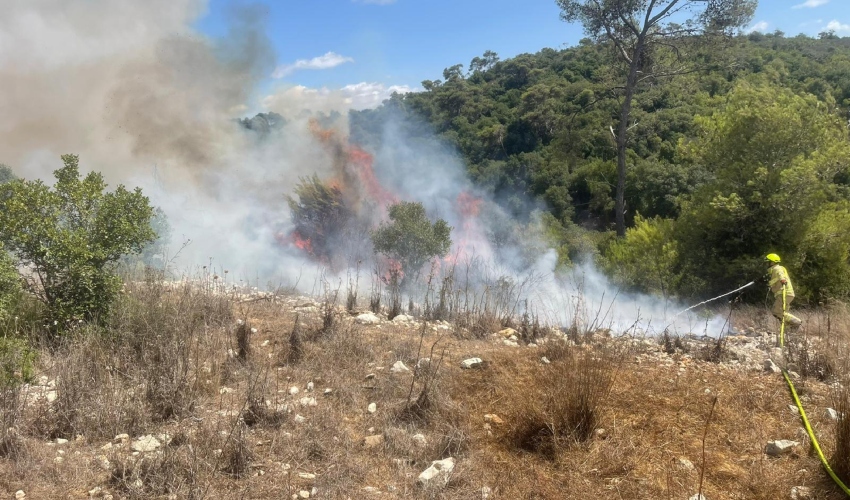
{"type": "Point", "coordinates": [622, 140]}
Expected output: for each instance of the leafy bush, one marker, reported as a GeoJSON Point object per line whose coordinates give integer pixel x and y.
{"type": "Point", "coordinates": [10, 283]}
{"type": "Point", "coordinates": [70, 238]}
{"type": "Point", "coordinates": [645, 259]}
{"type": "Point", "coordinates": [17, 362]}
{"type": "Point", "coordinates": [411, 238]}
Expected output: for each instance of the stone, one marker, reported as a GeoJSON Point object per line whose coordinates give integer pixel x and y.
{"type": "Point", "coordinates": [299, 419]}
{"type": "Point", "coordinates": [308, 402]}
{"type": "Point", "coordinates": [373, 441]}
{"type": "Point", "coordinates": [294, 390]}
{"type": "Point", "coordinates": [770, 366]}
{"type": "Point", "coordinates": [122, 437]}
{"type": "Point", "coordinates": [419, 440]}
{"type": "Point", "coordinates": [507, 333]}
{"type": "Point", "coordinates": [698, 496]}
{"type": "Point", "coordinates": [372, 490]}
{"type": "Point", "coordinates": [399, 367]}
{"type": "Point", "coordinates": [801, 493]}
{"type": "Point", "coordinates": [831, 414]}
{"type": "Point", "coordinates": [61, 441]}
{"type": "Point", "coordinates": [20, 494]}
{"type": "Point", "coordinates": [794, 409]}
{"type": "Point", "coordinates": [310, 386]}
{"type": "Point", "coordinates": [684, 464]}
{"type": "Point", "coordinates": [372, 408]}
{"type": "Point", "coordinates": [327, 391]}
{"type": "Point", "coordinates": [545, 360]}
{"type": "Point", "coordinates": [307, 475]}
{"type": "Point", "coordinates": [367, 319]}
{"type": "Point", "coordinates": [403, 318]}
{"type": "Point", "coordinates": [145, 443]}
{"type": "Point", "coordinates": [438, 473]}
{"type": "Point", "coordinates": [492, 418]}
{"type": "Point", "coordinates": [780, 447]}
{"type": "Point", "coordinates": [303, 494]}
{"type": "Point", "coordinates": [601, 433]}
{"type": "Point", "coordinates": [486, 491]}
{"type": "Point", "coordinates": [472, 363]}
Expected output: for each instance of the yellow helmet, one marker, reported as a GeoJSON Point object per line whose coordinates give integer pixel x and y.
{"type": "Point", "coordinates": [772, 257]}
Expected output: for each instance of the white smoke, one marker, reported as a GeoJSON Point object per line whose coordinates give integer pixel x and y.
{"type": "Point", "coordinates": [142, 97]}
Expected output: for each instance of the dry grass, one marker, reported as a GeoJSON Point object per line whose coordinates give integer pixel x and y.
{"type": "Point", "coordinates": [599, 421]}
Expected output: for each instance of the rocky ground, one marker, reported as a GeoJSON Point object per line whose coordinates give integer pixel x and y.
{"type": "Point", "coordinates": [335, 421]}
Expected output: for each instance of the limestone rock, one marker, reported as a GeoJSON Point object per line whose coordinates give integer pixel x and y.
{"type": "Point", "coordinates": [372, 408]}
{"type": "Point", "coordinates": [472, 363]}
{"type": "Point", "coordinates": [373, 441]}
{"type": "Point", "coordinates": [399, 367]}
{"type": "Point", "coordinates": [367, 319]}
{"type": "Point", "coordinates": [780, 447]}
{"type": "Point", "coordinates": [438, 473]}
{"type": "Point", "coordinates": [145, 443]}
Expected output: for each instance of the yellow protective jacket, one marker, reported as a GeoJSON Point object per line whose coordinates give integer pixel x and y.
{"type": "Point", "coordinates": [776, 274]}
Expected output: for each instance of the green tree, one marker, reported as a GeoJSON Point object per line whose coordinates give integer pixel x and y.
{"type": "Point", "coordinates": [10, 283]}
{"type": "Point", "coordinates": [775, 157]}
{"type": "Point", "coordinates": [68, 239]}
{"type": "Point", "coordinates": [645, 259]}
{"type": "Point", "coordinates": [642, 32]}
{"type": "Point", "coordinates": [411, 238]}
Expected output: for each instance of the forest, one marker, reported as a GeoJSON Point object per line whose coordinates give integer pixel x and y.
{"type": "Point", "coordinates": [744, 154]}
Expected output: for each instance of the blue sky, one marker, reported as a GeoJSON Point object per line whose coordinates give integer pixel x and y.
{"type": "Point", "coordinates": [337, 43]}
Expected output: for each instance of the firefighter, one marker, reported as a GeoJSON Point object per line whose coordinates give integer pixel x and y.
{"type": "Point", "coordinates": [783, 291]}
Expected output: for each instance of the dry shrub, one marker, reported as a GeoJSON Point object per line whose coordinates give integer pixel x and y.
{"type": "Point", "coordinates": [238, 454]}
{"type": "Point", "coordinates": [296, 344]}
{"type": "Point", "coordinates": [559, 406]}
{"type": "Point", "coordinates": [672, 344]}
{"type": "Point", "coordinates": [243, 341]}
{"type": "Point", "coordinates": [11, 405]}
{"type": "Point", "coordinates": [176, 471]}
{"type": "Point", "coordinates": [840, 460]}
{"type": "Point", "coordinates": [715, 351]}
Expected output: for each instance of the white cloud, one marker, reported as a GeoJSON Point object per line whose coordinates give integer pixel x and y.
{"type": "Point", "coordinates": [387, 2]}
{"type": "Point", "coordinates": [364, 95]}
{"type": "Point", "coordinates": [837, 27]}
{"type": "Point", "coordinates": [327, 61]}
{"type": "Point", "coordinates": [760, 26]}
{"type": "Point", "coordinates": [810, 4]}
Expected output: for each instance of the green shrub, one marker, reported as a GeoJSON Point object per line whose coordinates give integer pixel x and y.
{"type": "Point", "coordinates": [411, 238]}
{"type": "Point", "coordinates": [10, 284]}
{"type": "Point", "coordinates": [71, 237]}
{"type": "Point", "coordinates": [17, 362]}
{"type": "Point", "coordinates": [645, 259]}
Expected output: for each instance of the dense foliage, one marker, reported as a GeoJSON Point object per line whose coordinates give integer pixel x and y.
{"type": "Point", "coordinates": [743, 155]}
{"type": "Point", "coordinates": [67, 240]}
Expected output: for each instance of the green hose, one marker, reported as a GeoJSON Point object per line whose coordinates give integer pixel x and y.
{"type": "Point", "coordinates": [800, 407]}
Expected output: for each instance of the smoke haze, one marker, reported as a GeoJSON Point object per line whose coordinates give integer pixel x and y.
{"type": "Point", "coordinates": [141, 96]}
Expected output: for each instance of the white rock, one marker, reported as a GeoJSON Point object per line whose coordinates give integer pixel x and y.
{"type": "Point", "coordinates": [310, 386]}
{"type": "Point", "coordinates": [20, 494]}
{"type": "Point", "coordinates": [303, 494]}
{"type": "Point", "coordinates": [794, 409]}
{"type": "Point", "coordinates": [472, 363]}
{"type": "Point", "coordinates": [226, 390]}
{"type": "Point", "coordinates": [328, 390]}
{"type": "Point", "coordinates": [801, 493]}
{"type": "Point", "coordinates": [770, 366]}
{"type": "Point", "coordinates": [486, 491]}
{"type": "Point", "coordinates": [308, 402]}
{"type": "Point", "coordinates": [545, 360]}
{"type": "Point", "coordinates": [145, 443]}
{"type": "Point", "coordinates": [265, 343]}
{"type": "Point", "coordinates": [122, 437]}
{"type": "Point", "coordinates": [294, 390]}
{"type": "Point", "coordinates": [399, 367]}
{"type": "Point", "coordinates": [306, 475]}
{"type": "Point", "coordinates": [780, 447]}
{"type": "Point", "coordinates": [299, 419]}
{"type": "Point", "coordinates": [403, 318]}
{"type": "Point", "coordinates": [438, 473]}
{"type": "Point", "coordinates": [372, 490]}
{"type": "Point", "coordinates": [419, 440]}
{"type": "Point", "coordinates": [61, 441]}
{"type": "Point", "coordinates": [367, 319]}
{"type": "Point", "coordinates": [698, 496]}
{"type": "Point", "coordinates": [372, 408]}
{"type": "Point", "coordinates": [51, 396]}
{"type": "Point", "coordinates": [831, 414]}
{"type": "Point", "coordinates": [684, 464]}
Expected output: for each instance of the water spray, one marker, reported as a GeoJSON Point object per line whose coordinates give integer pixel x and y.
{"type": "Point", "coordinates": [715, 298]}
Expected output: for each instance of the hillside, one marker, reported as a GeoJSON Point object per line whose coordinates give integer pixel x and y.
{"type": "Point", "coordinates": [533, 131]}
{"type": "Point", "coordinates": [307, 400]}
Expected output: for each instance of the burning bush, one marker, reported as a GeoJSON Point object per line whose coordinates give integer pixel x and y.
{"type": "Point", "coordinates": [319, 214]}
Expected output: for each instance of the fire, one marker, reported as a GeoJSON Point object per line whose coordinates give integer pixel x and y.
{"type": "Point", "coordinates": [468, 206]}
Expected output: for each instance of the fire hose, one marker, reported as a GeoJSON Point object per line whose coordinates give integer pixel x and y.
{"type": "Point", "coordinates": [785, 374]}
{"type": "Point", "coordinates": [799, 404]}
